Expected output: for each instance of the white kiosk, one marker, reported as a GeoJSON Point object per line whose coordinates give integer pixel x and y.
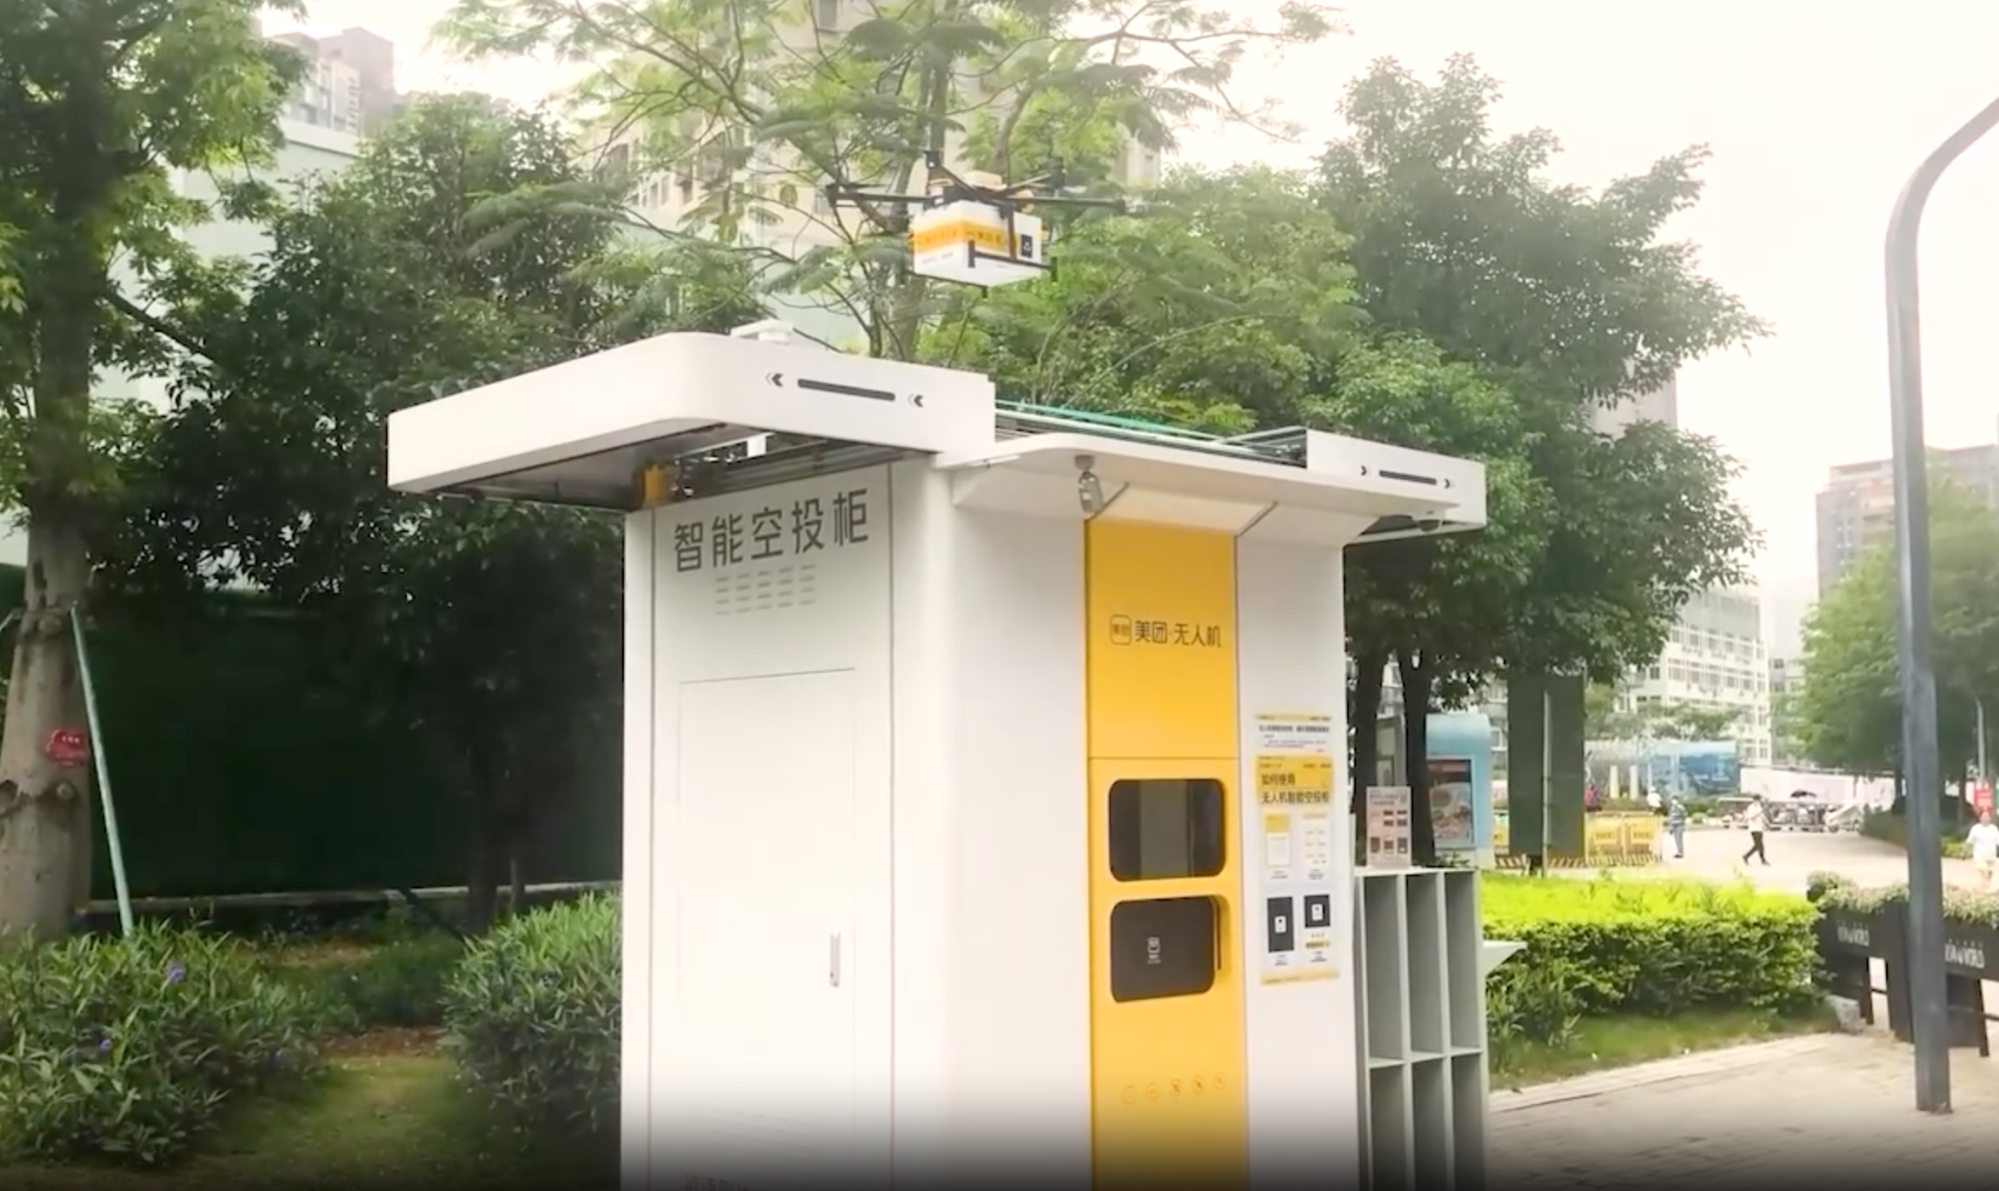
{"type": "Point", "coordinates": [984, 766]}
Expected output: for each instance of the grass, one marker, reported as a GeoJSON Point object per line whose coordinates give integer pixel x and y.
{"type": "Point", "coordinates": [375, 1123]}
{"type": "Point", "coordinates": [1514, 896]}
{"type": "Point", "coordinates": [1621, 1040]}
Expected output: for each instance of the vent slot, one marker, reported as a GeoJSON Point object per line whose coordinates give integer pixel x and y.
{"type": "Point", "coordinates": [827, 386]}
{"type": "Point", "coordinates": [1409, 477]}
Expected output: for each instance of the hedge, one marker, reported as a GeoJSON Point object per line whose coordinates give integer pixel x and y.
{"type": "Point", "coordinates": [1648, 947]}
{"type": "Point", "coordinates": [130, 1049]}
{"type": "Point", "coordinates": [1834, 892]}
{"type": "Point", "coordinates": [1892, 828]}
{"type": "Point", "coordinates": [533, 1015]}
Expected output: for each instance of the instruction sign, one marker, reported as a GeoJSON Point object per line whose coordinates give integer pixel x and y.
{"type": "Point", "coordinates": [1388, 826]}
{"type": "Point", "coordinates": [1293, 779]}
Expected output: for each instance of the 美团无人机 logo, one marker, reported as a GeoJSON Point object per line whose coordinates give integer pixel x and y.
{"type": "Point", "coordinates": [1137, 630]}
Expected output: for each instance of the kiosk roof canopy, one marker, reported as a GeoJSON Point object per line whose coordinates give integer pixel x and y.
{"type": "Point", "coordinates": [728, 412]}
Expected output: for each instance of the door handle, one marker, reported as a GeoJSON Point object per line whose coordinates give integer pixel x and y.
{"type": "Point", "coordinates": [833, 960]}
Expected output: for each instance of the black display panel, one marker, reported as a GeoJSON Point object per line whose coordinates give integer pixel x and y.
{"type": "Point", "coordinates": [1162, 828]}
{"type": "Point", "coordinates": [1162, 948]}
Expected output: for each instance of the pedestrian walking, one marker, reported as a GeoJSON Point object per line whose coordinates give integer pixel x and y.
{"type": "Point", "coordinates": [1676, 826]}
{"type": "Point", "coordinates": [1984, 844]}
{"type": "Point", "coordinates": [1758, 821]}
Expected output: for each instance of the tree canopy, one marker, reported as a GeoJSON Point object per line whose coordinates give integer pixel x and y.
{"type": "Point", "coordinates": [1848, 716]}
{"type": "Point", "coordinates": [763, 104]}
{"type": "Point", "coordinates": [464, 245]}
{"type": "Point", "coordinates": [100, 100]}
{"type": "Point", "coordinates": [1568, 301]}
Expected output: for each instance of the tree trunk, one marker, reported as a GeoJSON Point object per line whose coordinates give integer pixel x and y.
{"type": "Point", "coordinates": [45, 807]}
{"type": "Point", "coordinates": [482, 878]}
{"type": "Point", "coordinates": [1416, 681]}
{"type": "Point", "coordinates": [1363, 714]}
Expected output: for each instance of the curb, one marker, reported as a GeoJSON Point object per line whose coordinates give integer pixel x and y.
{"type": "Point", "coordinates": [1726, 1061]}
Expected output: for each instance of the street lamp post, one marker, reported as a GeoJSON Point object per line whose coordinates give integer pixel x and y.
{"type": "Point", "coordinates": [1918, 678]}
{"type": "Point", "coordinates": [1984, 774]}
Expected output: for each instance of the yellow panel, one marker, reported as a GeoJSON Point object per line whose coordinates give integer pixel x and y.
{"type": "Point", "coordinates": [1168, 1099]}
{"type": "Point", "coordinates": [1162, 655]}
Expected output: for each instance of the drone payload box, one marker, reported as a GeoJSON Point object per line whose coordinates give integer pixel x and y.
{"type": "Point", "coordinates": [976, 243]}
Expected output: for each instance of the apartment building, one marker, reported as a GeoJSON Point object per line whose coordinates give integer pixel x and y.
{"type": "Point", "coordinates": [1856, 509]}
{"type": "Point", "coordinates": [1714, 657]}
{"type": "Point", "coordinates": [350, 81]}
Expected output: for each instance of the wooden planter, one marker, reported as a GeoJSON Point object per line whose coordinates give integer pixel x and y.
{"type": "Point", "coordinates": [1848, 942]}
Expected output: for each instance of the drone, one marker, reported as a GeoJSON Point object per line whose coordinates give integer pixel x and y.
{"type": "Point", "coordinates": [978, 230]}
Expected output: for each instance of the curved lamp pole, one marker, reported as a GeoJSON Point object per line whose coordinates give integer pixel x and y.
{"type": "Point", "coordinates": [1912, 554]}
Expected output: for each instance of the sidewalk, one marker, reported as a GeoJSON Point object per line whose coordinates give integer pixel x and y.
{"type": "Point", "coordinates": [1828, 1111]}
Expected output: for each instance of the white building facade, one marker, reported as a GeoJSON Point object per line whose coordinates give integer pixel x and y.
{"type": "Point", "coordinates": [1714, 658]}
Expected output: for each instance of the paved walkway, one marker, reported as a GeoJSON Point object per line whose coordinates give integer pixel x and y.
{"type": "Point", "coordinates": [1837, 1110]}
{"type": "Point", "coordinates": [1715, 854]}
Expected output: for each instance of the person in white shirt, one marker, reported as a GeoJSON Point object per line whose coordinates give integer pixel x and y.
{"type": "Point", "coordinates": [1757, 820]}
{"type": "Point", "coordinates": [1984, 844]}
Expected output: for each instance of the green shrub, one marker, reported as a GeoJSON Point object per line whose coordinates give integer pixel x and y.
{"type": "Point", "coordinates": [533, 1017]}
{"type": "Point", "coordinates": [400, 984]}
{"type": "Point", "coordinates": [1820, 883]}
{"type": "Point", "coordinates": [1970, 907]}
{"type": "Point", "coordinates": [1654, 947]}
{"type": "Point", "coordinates": [130, 1048]}
{"type": "Point", "coordinates": [1537, 1003]}
{"type": "Point", "coordinates": [1893, 828]}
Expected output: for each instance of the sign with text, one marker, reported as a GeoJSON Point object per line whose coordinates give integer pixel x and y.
{"type": "Point", "coordinates": [794, 529]}
{"type": "Point", "coordinates": [1388, 827]}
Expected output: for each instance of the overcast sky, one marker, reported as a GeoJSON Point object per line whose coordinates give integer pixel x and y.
{"type": "Point", "coordinates": [1816, 113]}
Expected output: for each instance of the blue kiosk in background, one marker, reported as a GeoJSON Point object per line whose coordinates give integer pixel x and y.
{"type": "Point", "coordinates": [1460, 764]}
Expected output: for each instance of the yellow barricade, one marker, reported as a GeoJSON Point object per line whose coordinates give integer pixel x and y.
{"type": "Point", "coordinates": [1609, 841]}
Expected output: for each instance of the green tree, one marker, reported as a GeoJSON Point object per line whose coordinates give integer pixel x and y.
{"type": "Point", "coordinates": [99, 101]}
{"type": "Point", "coordinates": [1603, 721]}
{"type": "Point", "coordinates": [1682, 720]}
{"type": "Point", "coordinates": [1402, 389]}
{"type": "Point", "coordinates": [1216, 309]}
{"type": "Point", "coordinates": [1571, 301]}
{"type": "Point", "coordinates": [1849, 712]}
{"type": "Point", "coordinates": [765, 103]}
{"type": "Point", "coordinates": [461, 247]}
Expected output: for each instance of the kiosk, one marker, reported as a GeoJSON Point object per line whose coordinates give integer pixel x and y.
{"type": "Point", "coordinates": [984, 788]}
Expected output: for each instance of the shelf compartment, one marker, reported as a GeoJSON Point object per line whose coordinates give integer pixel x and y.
{"type": "Point", "coordinates": [1386, 963]}
{"type": "Point", "coordinates": [1468, 1140]}
{"type": "Point", "coordinates": [1428, 1014]}
{"type": "Point", "coordinates": [1390, 1161]}
{"type": "Point", "coordinates": [1431, 1127]}
{"type": "Point", "coordinates": [1464, 937]}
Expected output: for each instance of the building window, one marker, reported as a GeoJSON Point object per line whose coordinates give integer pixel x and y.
{"type": "Point", "coordinates": [826, 14]}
